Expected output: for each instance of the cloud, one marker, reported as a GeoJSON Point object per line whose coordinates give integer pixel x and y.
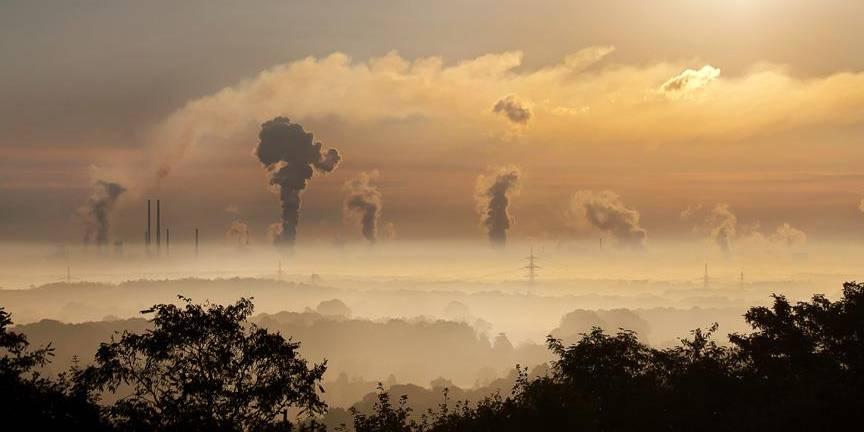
{"type": "Point", "coordinates": [606, 212]}
{"type": "Point", "coordinates": [690, 80]}
{"type": "Point", "coordinates": [515, 110]}
{"type": "Point", "coordinates": [616, 104]}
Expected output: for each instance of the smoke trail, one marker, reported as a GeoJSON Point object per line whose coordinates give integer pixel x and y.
{"type": "Point", "coordinates": [493, 202]}
{"type": "Point", "coordinates": [605, 211]}
{"type": "Point", "coordinates": [364, 198]}
{"type": "Point", "coordinates": [290, 157]}
{"type": "Point", "coordinates": [96, 213]}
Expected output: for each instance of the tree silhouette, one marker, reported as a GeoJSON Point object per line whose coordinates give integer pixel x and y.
{"type": "Point", "coordinates": [204, 367]}
{"type": "Point", "coordinates": [801, 368]}
{"type": "Point", "coordinates": [28, 398]}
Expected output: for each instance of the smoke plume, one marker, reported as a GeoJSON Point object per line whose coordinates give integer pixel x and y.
{"type": "Point", "coordinates": [493, 202]}
{"type": "Point", "coordinates": [514, 109]}
{"type": "Point", "coordinates": [290, 157]}
{"type": "Point", "coordinates": [606, 212]}
{"type": "Point", "coordinates": [720, 224]}
{"type": "Point", "coordinates": [238, 232]}
{"type": "Point", "coordinates": [723, 229]}
{"type": "Point", "coordinates": [364, 199]}
{"type": "Point", "coordinates": [96, 213]}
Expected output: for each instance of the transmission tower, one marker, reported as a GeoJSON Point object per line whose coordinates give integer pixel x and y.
{"type": "Point", "coordinates": [532, 267]}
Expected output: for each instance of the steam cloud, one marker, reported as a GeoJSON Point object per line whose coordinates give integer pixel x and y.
{"type": "Point", "coordinates": [606, 212]}
{"type": "Point", "coordinates": [514, 109]}
{"type": "Point", "coordinates": [96, 213]}
{"type": "Point", "coordinates": [364, 198]}
{"type": "Point", "coordinates": [493, 202]}
{"type": "Point", "coordinates": [290, 157]}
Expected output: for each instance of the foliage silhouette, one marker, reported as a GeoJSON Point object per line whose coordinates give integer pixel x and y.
{"type": "Point", "coordinates": [203, 367]}
{"type": "Point", "coordinates": [30, 400]}
{"type": "Point", "coordinates": [801, 368]}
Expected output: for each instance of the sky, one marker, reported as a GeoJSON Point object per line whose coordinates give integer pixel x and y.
{"type": "Point", "coordinates": [735, 121]}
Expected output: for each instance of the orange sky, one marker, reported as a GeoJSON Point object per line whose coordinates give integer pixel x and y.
{"type": "Point", "coordinates": [669, 104]}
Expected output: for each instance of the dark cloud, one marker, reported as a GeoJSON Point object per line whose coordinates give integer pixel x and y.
{"type": "Point", "coordinates": [364, 199]}
{"type": "Point", "coordinates": [493, 199]}
{"type": "Point", "coordinates": [96, 212]}
{"type": "Point", "coordinates": [514, 109]}
{"type": "Point", "coordinates": [291, 156]}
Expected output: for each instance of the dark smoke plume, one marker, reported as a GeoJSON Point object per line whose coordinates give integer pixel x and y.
{"type": "Point", "coordinates": [515, 110]}
{"type": "Point", "coordinates": [96, 213]}
{"type": "Point", "coordinates": [364, 199]}
{"type": "Point", "coordinates": [290, 157]}
{"type": "Point", "coordinates": [493, 202]}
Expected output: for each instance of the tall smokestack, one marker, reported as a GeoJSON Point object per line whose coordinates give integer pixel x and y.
{"type": "Point", "coordinates": [158, 229]}
{"type": "Point", "coordinates": [147, 235]}
{"type": "Point", "coordinates": [167, 242]}
{"type": "Point", "coordinates": [196, 242]}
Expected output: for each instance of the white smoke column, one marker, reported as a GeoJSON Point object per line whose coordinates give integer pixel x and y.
{"type": "Point", "coordinates": [96, 212]}
{"type": "Point", "coordinates": [364, 199]}
{"type": "Point", "coordinates": [606, 212]}
{"type": "Point", "coordinates": [290, 156]}
{"type": "Point", "coordinates": [493, 194]}
{"type": "Point", "coordinates": [723, 226]}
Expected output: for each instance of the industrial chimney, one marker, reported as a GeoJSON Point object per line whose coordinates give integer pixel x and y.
{"type": "Point", "coordinates": [158, 229]}
{"type": "Point", "coordinates": [147, 235]}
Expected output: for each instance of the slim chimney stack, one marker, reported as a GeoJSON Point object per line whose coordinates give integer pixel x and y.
{"type": "Point", "coordinates": [196, 243]}
{"type": "Point", "coordinates": [167, 241]}
{"type": "Point", "coordinates": [158, 229]}
{"type": "Point", "coordinates": [147, 235]}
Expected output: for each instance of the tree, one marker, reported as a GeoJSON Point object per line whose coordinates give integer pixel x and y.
{"type": "Point", "coordinates": [39, 402]}
{"type": "Point", "coordinates": [204, 367]}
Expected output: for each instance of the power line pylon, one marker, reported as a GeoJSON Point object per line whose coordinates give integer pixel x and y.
{"type": "Point", "coordinates": [532, 267]}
